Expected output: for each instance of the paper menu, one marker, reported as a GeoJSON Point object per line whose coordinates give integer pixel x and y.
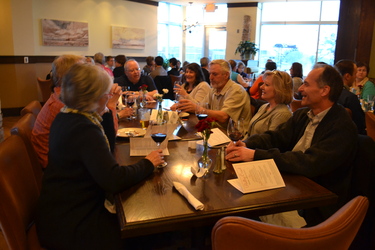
{"type": "Point", "coordinates": [257, 176]}
{"type": "Point", "coordinates": [217, 137]}
{"type": "Point", "coordinates": [143, 146]}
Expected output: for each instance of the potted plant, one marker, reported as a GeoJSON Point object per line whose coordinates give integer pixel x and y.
{"type": "Point", "coordinates": [246, 49]}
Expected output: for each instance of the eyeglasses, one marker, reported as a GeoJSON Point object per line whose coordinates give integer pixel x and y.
{"type": "Point", "coordinates": [133, 70]}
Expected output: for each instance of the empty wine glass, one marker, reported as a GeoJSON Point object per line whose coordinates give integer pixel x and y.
{"type": "Point", "coordinates": [176, 94]}
{"type": "Point", "coordinates": [159, 134]}
{"type": "Point", "coordinates": [235, 130]}
{"type": "Point", "coordinates": [201, 111]}
{"type": "Point", "coordinates": [370, 102]}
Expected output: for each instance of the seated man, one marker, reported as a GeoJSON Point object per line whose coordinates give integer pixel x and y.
{"type": "Point", "coordinates": [159, 70]}
{"type": "Point", "coordinates": [173, 64]}
{"type": "Point", "coordinates": [204, 65]}
{"type": "Point", "coordinates": [226, 99]}
{"type": "Point", "coordinates": [348, 71]}
{"type": "Point", "coordinates": [134, 80]}
{"type": "Point", "coordinates": [319, 141]}
{"type": "Point", "coordinates": [41, 130]}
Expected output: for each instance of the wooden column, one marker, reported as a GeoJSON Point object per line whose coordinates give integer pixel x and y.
{"type": "Point", "coordinates": [355, 30]}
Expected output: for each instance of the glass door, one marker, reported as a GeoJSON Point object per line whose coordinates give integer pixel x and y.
{"type": "Point", "coordinates": [215, 42]}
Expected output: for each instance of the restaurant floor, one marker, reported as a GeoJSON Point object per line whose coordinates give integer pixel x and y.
{"type": "Point", "coordinates": [196, 238]}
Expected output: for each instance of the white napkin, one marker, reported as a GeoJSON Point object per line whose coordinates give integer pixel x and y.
{"type": "Point", "coordinates": [191, 199]}
{"type": "Point", "coordinates": [197, 171]}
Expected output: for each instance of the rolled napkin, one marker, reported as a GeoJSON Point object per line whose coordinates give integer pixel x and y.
{"type": "Point", "coordinates": [191, 199]}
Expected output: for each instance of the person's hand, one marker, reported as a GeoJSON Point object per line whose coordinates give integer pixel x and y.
{"type": "Point", "coordinates": [239, 152]}
{"type": "Point", "coordinates": [186, 105]}
{"type": "Point", "coordinates": [179, 90]}
{"type": "Point", "coordinates": [149, 98]}
{"type": "Point", "coordinates": [126, 112]}
{"type": "Point", "coordinates": [116, 93]}
{"type": "Point", "coordinates": [156, 157]}
{"type": "Point", "coordinates": [174, 107]}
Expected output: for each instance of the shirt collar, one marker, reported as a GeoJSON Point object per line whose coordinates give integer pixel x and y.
{"type": "Point", "coordinates": [225, 88]}
{"type": "Point", "coordinates": [316, 119]}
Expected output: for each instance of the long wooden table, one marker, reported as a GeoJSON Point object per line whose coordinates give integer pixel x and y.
{"type": "Point", "coordinates": [154, 205]}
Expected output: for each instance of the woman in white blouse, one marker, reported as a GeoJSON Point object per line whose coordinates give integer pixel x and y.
{"type": "Point", "coordinates": [194, 88]}
{"type": "Point", "coordinates": [277, 90]}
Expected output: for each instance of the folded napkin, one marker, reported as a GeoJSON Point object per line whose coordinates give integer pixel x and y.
{"type": "Point", "coordinates": [197, 171]}
{"type": "Point", "coordinates": [191, 199]}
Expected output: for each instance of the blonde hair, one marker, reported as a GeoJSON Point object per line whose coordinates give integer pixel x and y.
{"type": "Point", "coordinates": [61, 65]}
{"type": "Point", "coordinates": [83, 86]}
{"type": "Point", "coordinates": [283, 85]}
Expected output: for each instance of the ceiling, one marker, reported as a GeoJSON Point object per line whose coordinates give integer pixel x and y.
{"type": "Point", "coordinates": [187, 2]}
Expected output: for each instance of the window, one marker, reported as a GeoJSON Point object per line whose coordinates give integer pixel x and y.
{"type": "Point", "coordinates": [169, 30]}
{"type": "Point", "coordinates": [303, 32]}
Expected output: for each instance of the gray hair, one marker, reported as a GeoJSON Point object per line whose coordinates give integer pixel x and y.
{"type": "Point", "coordinates": [224, 65]}
{"type": "Point", "coordinates": [83, 86]}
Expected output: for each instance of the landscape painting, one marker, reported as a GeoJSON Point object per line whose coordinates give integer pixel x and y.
{"type": "Point", "coordinates": [65, 33]}
{"type": "Point", "coordinates": [128, 38]}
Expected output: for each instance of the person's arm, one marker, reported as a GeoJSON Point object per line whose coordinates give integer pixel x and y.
{"type": "Point", "coordinates": [241, 81]}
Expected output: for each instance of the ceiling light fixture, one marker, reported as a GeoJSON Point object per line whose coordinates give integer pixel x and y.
{"type": "Point", "coordinates": [210, 7]}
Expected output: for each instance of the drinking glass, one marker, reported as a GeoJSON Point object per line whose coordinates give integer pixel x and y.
{"type": "Point", "coordinates": [235, 130]}
{"type": "Point", "coordinates": [176, 95]}
{"type": "Point", "coordinates": [159, 134]}
{"type": "Point", "coordinates": [201, 111]}
{"type": "Point", "coordinates": [370, 102]}
{"type": "Point", "coordinates": [130, 99]}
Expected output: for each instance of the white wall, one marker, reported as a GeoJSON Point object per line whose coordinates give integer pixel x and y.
{"type": "Point", "coordinates": [235, 26]}
{"type": "Point", "coordinates": [100, 16]}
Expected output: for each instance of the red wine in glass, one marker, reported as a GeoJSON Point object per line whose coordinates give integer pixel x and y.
{"type": "Point", "coordinates": [235, 136]}
{"type": "Point", "coordinates": [130, 103]}
{"type": "Point", "coordinates": [201, 116]}
{"type": "Point", "coordinates": [158, 137]}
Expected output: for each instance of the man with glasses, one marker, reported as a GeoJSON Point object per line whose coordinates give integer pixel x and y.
{"type": "Point", "coordinates": [319, 141]}
{"type": "Point", "coordinates": [133, 80]}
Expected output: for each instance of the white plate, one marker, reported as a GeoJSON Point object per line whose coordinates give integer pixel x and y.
{"type": "Point", "coordinates": [130, 132]}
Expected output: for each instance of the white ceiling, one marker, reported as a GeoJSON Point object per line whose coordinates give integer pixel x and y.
{"type": "Point", "coordinates": [186, 2]}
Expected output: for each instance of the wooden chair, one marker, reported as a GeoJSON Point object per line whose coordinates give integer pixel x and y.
{"type": "Point", "coordinates": [175, 78]}
{"type": "Point", "coordinates": [23, 128]}
{"type": "Point", "coordinates": [45, 88]}
{"type": "Point", "coordinates": [337, 232]}
{"type": "Point", "coordinates": [370, 124]}
{"type": "Point", "coordinates": [295, 104]}
{"type": "Point", "coordinates": [33, 107]}
{"type": "Point", "coordinates": [18, 196]}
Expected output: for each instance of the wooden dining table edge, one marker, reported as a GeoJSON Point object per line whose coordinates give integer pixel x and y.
{"type": "Point", "coordinates": [209, 219]}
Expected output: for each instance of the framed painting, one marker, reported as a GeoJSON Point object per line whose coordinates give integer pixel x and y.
{"type": "Point", "coordinates": [128, 38]}
{"type": "Point", "coordinates": [65, 33]}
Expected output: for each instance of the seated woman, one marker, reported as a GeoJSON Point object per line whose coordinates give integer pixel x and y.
{"type": "Point", "coordinates": [277, 90]}
{"type": "Point", "coordinates": [241, 70]}
{"type": "Point", "coordinates": [235, 76]}
{"type": "Point", "coordinates": [81, 169]}
{"type": "Point", "coordinates": [362, 86]}
{"type": "Point", "coordinates": [194, 88]}
{"type": "Point", "coordinates": [296, 72]}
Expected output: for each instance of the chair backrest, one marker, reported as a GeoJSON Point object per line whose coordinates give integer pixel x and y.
{"type": "Point", "coordinates": [175, 78]}
{"type": "Point", "coordinates": [164, 82]}
{"type": "Point", "coordinates": [370, 124]}
{"type": "Point", "coordinates": [295, 104]}
{"type": "Point", "coordinates": [337, 232]}
{"type": "Point", "coordinates": [45, 88]}
{"type": "Point", "coordinates": [23, 128]}
{"type": "Point", "coordinates": [18, 196]}
{"type": "Point", "coordinates": [33, 107]}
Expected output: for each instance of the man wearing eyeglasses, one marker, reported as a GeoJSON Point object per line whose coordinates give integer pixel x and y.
{"type": "Point", "coordinates": [319, 141]}
{"type": "Point", "coordinates": [134, 80]}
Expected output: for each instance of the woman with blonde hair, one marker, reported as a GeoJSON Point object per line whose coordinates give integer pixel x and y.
{"type": "Point", "coordinates": [277, 90]}
{"type": "Point", "coordinates": [82, 171]}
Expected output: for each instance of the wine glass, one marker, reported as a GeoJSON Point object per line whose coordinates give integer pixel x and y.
{"type": "Point", "coordinates": [130, 99]}
{"type": "Point", "coordinates": [370, 102]}
{"type": "Point", "coordinates": [176, 94]}
{"type": "Point", "coordinates": [159, 134]}
{"type": "Point", "coordinates": [201, 111]}
{"type": "Point", "coordinates": [235, 130]}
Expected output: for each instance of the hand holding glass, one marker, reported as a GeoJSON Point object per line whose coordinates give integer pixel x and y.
{"type": "Point", "coordinates": [201, 111]}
